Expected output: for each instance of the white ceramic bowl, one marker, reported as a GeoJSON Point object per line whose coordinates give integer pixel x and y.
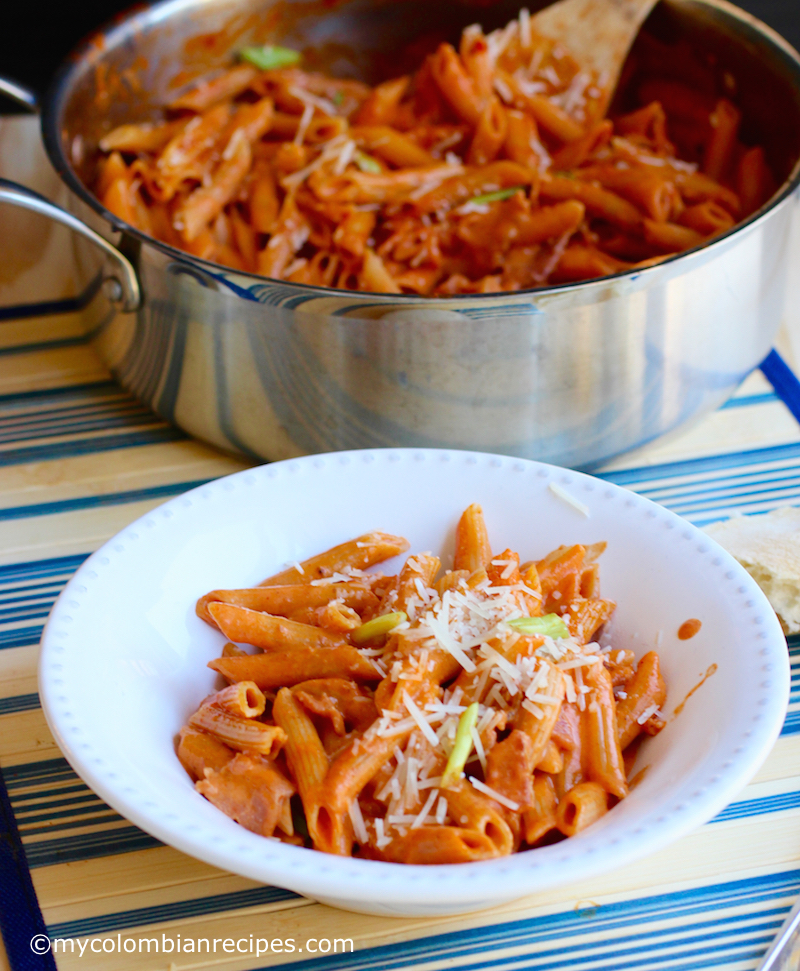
{"type": "Point", "coordinates": [123, 655]}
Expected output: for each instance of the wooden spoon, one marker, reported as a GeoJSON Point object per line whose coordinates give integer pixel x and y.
{"type": "Point", "coordinates": [597, 33]}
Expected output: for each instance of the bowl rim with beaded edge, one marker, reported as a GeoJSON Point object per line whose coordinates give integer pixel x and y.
{"type": "Point", "coordinates": [123, 656]}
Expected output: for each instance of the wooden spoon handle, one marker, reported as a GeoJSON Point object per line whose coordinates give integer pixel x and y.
{"type": "Point", "coordinates": [598, 33]}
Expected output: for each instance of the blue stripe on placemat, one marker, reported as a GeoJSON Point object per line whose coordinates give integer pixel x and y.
{"type": "Point", "coordinates": [783, 380]}
{"type": "Point", "coordinates": [747, 808]}
{"type": "Point", "coordinates": [89, 446]}
{"type": "Point", "coordinates": [57, 343]}
{"type": "Point", "coordinates": [103, 499]}
{"type": "Point", "coordinates": [20, 917]}
{"type": "Point", "coordinates": [455, 946]}
{"type": "Point", "coordinates": [180, 910]}
{"type": "Point", "coordinates": [89, 846]}
{"type": "Point", "coordinates": [24, 311]}
{"type": "Point", "coordinates": [17, 703]}
{"type": "Point", "coordinates": [791, 725]}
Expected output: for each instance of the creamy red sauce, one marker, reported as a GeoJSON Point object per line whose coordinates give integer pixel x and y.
{"type": "Point", "coordinates": [689, 628]}
{"type": "Point", "coordinates": [711, 670]}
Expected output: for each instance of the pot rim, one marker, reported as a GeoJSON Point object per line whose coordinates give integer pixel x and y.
{"type": "Point", "coordinates": [92, 47]}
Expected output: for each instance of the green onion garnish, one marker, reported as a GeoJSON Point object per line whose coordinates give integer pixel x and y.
{"type": "Point", "coordinates": [338, 98]}
{"type": "Point", "coordinates": [367, 164]}
{"type": "Point", "coordinates": [549, 625]}
{"type": "Point", "coordinates": [270, 57]}
{"type": "Point", "coordinates": [377, 627]}
{"type": "Point", "coordinates": [497, 196]}
{"type": "Point", "coordinates": [462, 748]}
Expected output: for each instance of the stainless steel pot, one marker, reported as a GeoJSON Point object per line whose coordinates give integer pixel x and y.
{"type": "Point", "coordinates": [571, 374]}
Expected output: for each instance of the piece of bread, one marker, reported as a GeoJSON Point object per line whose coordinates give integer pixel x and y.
{"type": "Point", "coordinates": [768, 547]}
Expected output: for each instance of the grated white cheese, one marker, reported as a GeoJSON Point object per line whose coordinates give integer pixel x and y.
{"type": "Point", "coordinates": [360, 830]}
{"type": "Point", "coordinates": [345, 156]}
{"type": "Point", "coordinates": [441, 810]}
{"type": "Point", "coordinates": [557, 490]}
{"type": "Point", "coordinates": [525, 27]}
{"type": "Point", "coordinates": [487, 790]}
{"type": "Point", "coordinates": [423, 813]}
{"type": "Point", "coordinates": [648, 713]}
{"type": "Point", "coordinates": [333, 578]}
{"type": "Point", "coordinates": [481, 752]}
{"type": "Point", "coordinates": [495, 698]}
{"type": "Point", "coordinates": [305, 121]}
{"type": "Point", "coordinates": [419, 718]}
{"type": "Point", "coordinates": [313, 100]}
{"type": "Point", "coordinates": [382, 840]}
{"type": "Point", "coordinates": [584, 661]}
{"type": "Point", "coordinates": [330, 150]}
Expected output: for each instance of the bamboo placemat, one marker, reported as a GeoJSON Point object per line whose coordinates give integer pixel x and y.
{"type": "Point", "coordinates": [80, 459]}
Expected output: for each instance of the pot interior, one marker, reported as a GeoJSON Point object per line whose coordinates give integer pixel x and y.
{"type": "Point", "coordinates": [127, 72]}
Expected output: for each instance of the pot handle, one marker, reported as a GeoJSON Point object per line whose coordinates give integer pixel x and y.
{"type": "Point", "coordinates": [122, 287]}
{"type": "Point", "coordinates": [19, 93]}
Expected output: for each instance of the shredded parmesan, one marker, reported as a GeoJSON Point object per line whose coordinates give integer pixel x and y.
{"type": "Point", "coordinates": [419, 718]}
{"type": "Point", "coordinates": [312, 100]}
{"type": "Point", "coordinates": [423, 813]}
{"type": "Point", "coordinates": [305, 121]}
{"type": "Point", "coordinates": [525, 27]}
{"type": "Point", "coordinates": [487, 790]}
{"type": "Point", "coordinates": [479, 749]}
{"type": "Point", "coordinates": [557, 490]}
{"type": "Point", "coordinates": [382, 840]}
{"type": "Point", "coordinates": [345, 157]}
{"type": "Point", "coordinates": [360, 830]}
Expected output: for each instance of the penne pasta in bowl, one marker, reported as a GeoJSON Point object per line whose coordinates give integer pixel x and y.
{"type": "Point", "coordinates": [414, 224]}
{"type": "Point", "coordinates": [397, 731]}
{"type": "Point", "coordinates": [367, 721]}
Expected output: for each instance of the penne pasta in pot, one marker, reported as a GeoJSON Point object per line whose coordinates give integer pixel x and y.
{"type": "Point", "coordinates": [487, 169]}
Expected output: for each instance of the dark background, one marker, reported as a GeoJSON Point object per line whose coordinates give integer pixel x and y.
{"type": "Point", "coordinates": [36, 35]}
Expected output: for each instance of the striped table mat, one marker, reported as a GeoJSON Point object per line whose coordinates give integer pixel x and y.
{"type": "Point", "coordinates": [81, 459]}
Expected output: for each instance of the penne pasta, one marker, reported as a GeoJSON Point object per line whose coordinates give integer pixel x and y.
{"type": "Point", "coordinates": [238, 732]}
{"type": "Point", "coordinates": [249, 790]}
{"type": "Point", "coordinates": [287, 599]}
{"type": "Point", "coordinates": [489, 168]}
{"type": "Point", "coordinates": [357, 554]}
{"type": "Point", "coordinates": [420, 718]}
{"type": "Point", "coordinates": [278, 668]}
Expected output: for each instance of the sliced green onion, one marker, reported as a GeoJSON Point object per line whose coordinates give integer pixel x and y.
{"type": "Point", "coordinates": [377, 627]}
{"type": "Point", "coordinates": [549, 625]}
{"type": "Point", "coordinates": [270, 56]}
{"type": "Point", "coordinates": [338, 98]}
{"type": "Point", "coordinates": [367, 163]}
{"type": "Point", "coordinates": [462, 748]}
{"type": "Point", "coordinates": [497, 196]}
